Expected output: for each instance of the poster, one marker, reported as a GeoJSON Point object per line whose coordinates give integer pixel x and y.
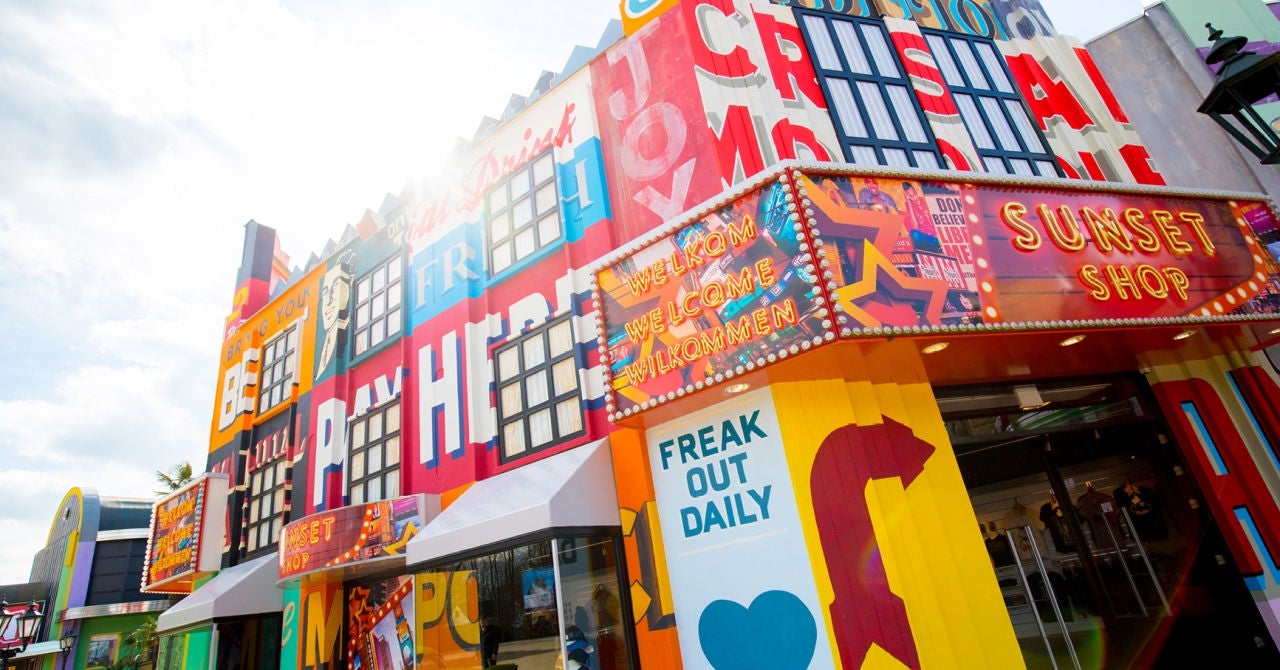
{"type": "Point", "coordinates": [102, 650]}
{"type": "Point", "coordinates": [723, 490]}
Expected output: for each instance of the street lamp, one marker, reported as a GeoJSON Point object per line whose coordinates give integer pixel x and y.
{"type": "Point", "coordinates": [1245, 78]}
{"type": "Point", "coordinates": [28, 622]}
{"type": "Point", "coordinates": [65, 644]}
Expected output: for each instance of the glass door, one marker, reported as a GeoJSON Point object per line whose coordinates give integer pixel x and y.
{"type": "Point", "coordinates": [1103, 556]}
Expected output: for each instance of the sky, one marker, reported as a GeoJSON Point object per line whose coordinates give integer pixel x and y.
{"type": "Point", "coordinates": [137, 138]}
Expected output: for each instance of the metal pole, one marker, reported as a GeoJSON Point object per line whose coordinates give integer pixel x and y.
{"type": "Point", "coordinates": [1031, 597]}
{"type": "Point", "coordinates": [1053, 597]}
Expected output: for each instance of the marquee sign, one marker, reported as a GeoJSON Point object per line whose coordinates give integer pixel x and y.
{"type": "Point", "coordinates": [185, 537]}
{"type": "Point", "coordinates": [352, 534]}
{"type": "Point", "coordinates": [804, 256]}
{"type": "Point", "coordinates": [922, 253]}
{"type": "Point", "coordinates": [727, 292]}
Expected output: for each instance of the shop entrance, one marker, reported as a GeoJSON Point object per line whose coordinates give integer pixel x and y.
{"type": "Point", "coordinates": [1105, 556]}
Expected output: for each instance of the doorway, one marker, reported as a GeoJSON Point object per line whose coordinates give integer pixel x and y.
{"type": "Point", "coordinates": [1104, 555]}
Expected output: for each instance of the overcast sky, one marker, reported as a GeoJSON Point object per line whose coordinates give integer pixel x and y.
{"type": "Point", "coordinates": [135, 141]}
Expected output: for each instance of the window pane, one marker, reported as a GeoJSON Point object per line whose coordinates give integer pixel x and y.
{"type": "Point", "coordinates": [498, 198]}
{"type": "Point", "coordinates": [524, 243]}
{"type": "Point", "coordinates": [863, 155]}
{"type": "Point", "coordinates": [569, 416]}
{"type": "Point", "coordinates": [536, 387]}
{"type": "Point", "coordinates": [560, 338]}
{"type": "Point", "coordinates": [565, 374]}
{"type": "Point", "coordinates": [375, 459]}
{"type": "Point", "coordinates": [362, 289]}
{"type": "Point", "coordinates": [378, 305]}
{"type": "Point", "coordinates": [393, 295]}
{"type": "Point", "coordinates": [549, 229]}
{"type": "Point", "coordinates": [896, 157]}
{"type": "Point", "coordinates": [534, 352]}
{"type": "Point", "coordinates": [393, 270]}
{"type": "Point", "coordinates": [970, 64]}
{"type": "Point", "coordinates": [994, 165]}
{"type": "Point", "coordinates": [508, 363]}
{"type": "Point", "coordinates": [357, 494]}
{"type": "Point", "coordinates": [1022, 166]}
{"type": "Point", "coordinates": [522, 212]}
{"type": "Point", "coordinates": [822, 46]}
{"type": "Point", "coordinates": [291, 340]}
{"type": "Point", "coordinates": [1023, 124]}
{"type": "Point", "coordinates": [973, 121]}
{"type": "Point", "coordinates": [904, 108]}
{"type": "Point", "coordinates": [357, 465]}
{"type": "Point", "coordinates": [846, 108]}
{"type": "Point", "coordinates": [513, 438]}
{"type": "Point", "coordinates": [543, 168]}
{"type": "Point", "coordinates": [510, 400]}
{"type": "Point", "coordinates": [393, 484]}
{"type": "Point", "coordinates": [253, 510]}
{"type": "Point", "coordinates": [995, 66]}
{"type": "Point", "coordinates": [375, 427]}
{"type": "Point", "coordinates": [278, 506]}
{"type": "Point", "coordinates": [500, 226]}
{"type": "Point", "coordinates": [519, 183]}
{"type": "Point", "coordinates": [393, 451]}
{"type": "Point", "coordinates": [877, 111]}
{"type": "Point", "coordinates": [358, 435]}
{"type": "Point", "coordinates": [501, 257]}
{"type": "Point", "coordinates": [995, 114]}
{"type": "Point", "coordinates": [362, 314]}
{"type": "Point", "coordinates": [926, 159]}
{"type": "Point", "coordinates": [1046, 169]}
{"type": "Point", "coordinates": [540, 427]}
{"type": "Point", "coordinates": [362, 341]}
{"type": "Point", "coordinates": [287, 368]}
{"type": "Point", "coordinates": [880, 51]}
{"type": "Point", "coordinates": [379, 279]}
{"type": "Point", "coordinates": [545, 200]}
{"type": "Point", "coordinates": [851, 46]}
{"type": "Point", "coordinates": [942, 55]}
{"type": "Point", "coordinates": [392, 416]}
{"type": "Point", "coordinates": [377, 332]}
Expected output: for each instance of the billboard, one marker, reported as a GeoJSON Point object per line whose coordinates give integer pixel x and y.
{"type": "Point", "coordinates": [723, 293]}
{"type": "Point", "coordinates": [186, 535]}
{"type": "Point", "coordinates": [352, 534]}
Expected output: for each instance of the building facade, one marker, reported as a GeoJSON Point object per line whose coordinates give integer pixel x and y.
{"type": "Point", "coordinates": [714, 352]}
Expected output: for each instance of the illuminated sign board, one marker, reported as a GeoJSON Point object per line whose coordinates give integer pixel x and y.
{"type": "Point", "coordinates": [178, 546]}
{"type": "Point", "coordinates": [807, 254]}
{"type": "Point", "coordinates": [725, 293]}
{"type": "Point", "coordinates": [913, 253]}
{"type": "Point", "coordinates": [353, 534]}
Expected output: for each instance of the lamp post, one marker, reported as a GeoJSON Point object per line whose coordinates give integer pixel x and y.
{"type": "Point", "coordinates": [1245, 78]}
{"type": "Point", "coordinates": [28, 622]}
{"type": "Point", "coordinates": [67, 641]}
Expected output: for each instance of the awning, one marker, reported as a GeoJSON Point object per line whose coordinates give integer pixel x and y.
{"type": "Point", "coordinates": [240, 590]}
{"type": "Point", "coordinates": [40, 649]}
{"type": "Point", "coordinates": [573, 489]}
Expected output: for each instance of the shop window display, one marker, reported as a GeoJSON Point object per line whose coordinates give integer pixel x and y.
{"type": "Point", "coordinates": [545, 605]}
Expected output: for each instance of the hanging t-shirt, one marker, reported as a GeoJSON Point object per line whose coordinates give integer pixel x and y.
{"type": "Point", "coordinates": [1099, 513]}
{"type": "Point", "coordinates": [1144, 509]}
{"type": "Point", "coordinates": [1051, 515]}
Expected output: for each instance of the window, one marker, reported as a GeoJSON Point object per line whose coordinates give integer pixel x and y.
{"type": "Point", "coordinates": [538, 400]}
{"type": "Point", "coordinates": [374, 467]}
{"type": "Point", "coordinates": [278, 362]}
{"type": "Point", "coordinates": [378, 306]}
{"type": "Point", "coordinates": [523, 213]}
{"type": "Point", "coordinates": [1006, 138]}
{"type": "Point", "coordinates": [872, 102]}
{"type": "Point", "coordinates": [266, 504]}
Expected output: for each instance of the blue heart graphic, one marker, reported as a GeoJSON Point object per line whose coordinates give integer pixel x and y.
{"type": "Point", "coordinates": [776, 633]}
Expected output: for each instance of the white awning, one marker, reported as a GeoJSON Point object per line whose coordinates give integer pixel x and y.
{"type": "Point", "coordinates": [39, 649]}
{"type": "Point", "coordinates": [240, 590]}
{"type": "Point", "coordinates": [571, 489]}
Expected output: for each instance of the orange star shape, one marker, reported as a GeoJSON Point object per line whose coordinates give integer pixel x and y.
{"type": "Point", "coordinates": [883, 295]}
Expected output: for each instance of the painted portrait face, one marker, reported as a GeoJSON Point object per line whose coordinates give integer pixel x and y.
{"type": "Point", "coordinates": [335, 296]}
{"type": "Point", "coordinates": [872, 185]}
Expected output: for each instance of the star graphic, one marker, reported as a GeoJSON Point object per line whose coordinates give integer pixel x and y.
{"type": "Point", "coordinates": [883, 295]}
{"type": "Point", "coordinates": [850, 222]}
{"type": "Point", "coordinates": [409, 531]}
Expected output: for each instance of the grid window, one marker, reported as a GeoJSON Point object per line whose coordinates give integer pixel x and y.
{"type": "Point", "coordinates": [874, 108]}
{"type": "Point", "coordinates": [266, 504]}
{"type": "Point", "coordinates": [378, 314]}
{"type": "Point", "coordinates": [278, 362]}
{"type": "Point", "coordinates": [523, 213]}
{"type": "Point", "coordinates": [373, 471]}
{"type": "Point", "coordinates": [538, 400]}
{"type": "Point", "coordinates": [1008, 142]}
